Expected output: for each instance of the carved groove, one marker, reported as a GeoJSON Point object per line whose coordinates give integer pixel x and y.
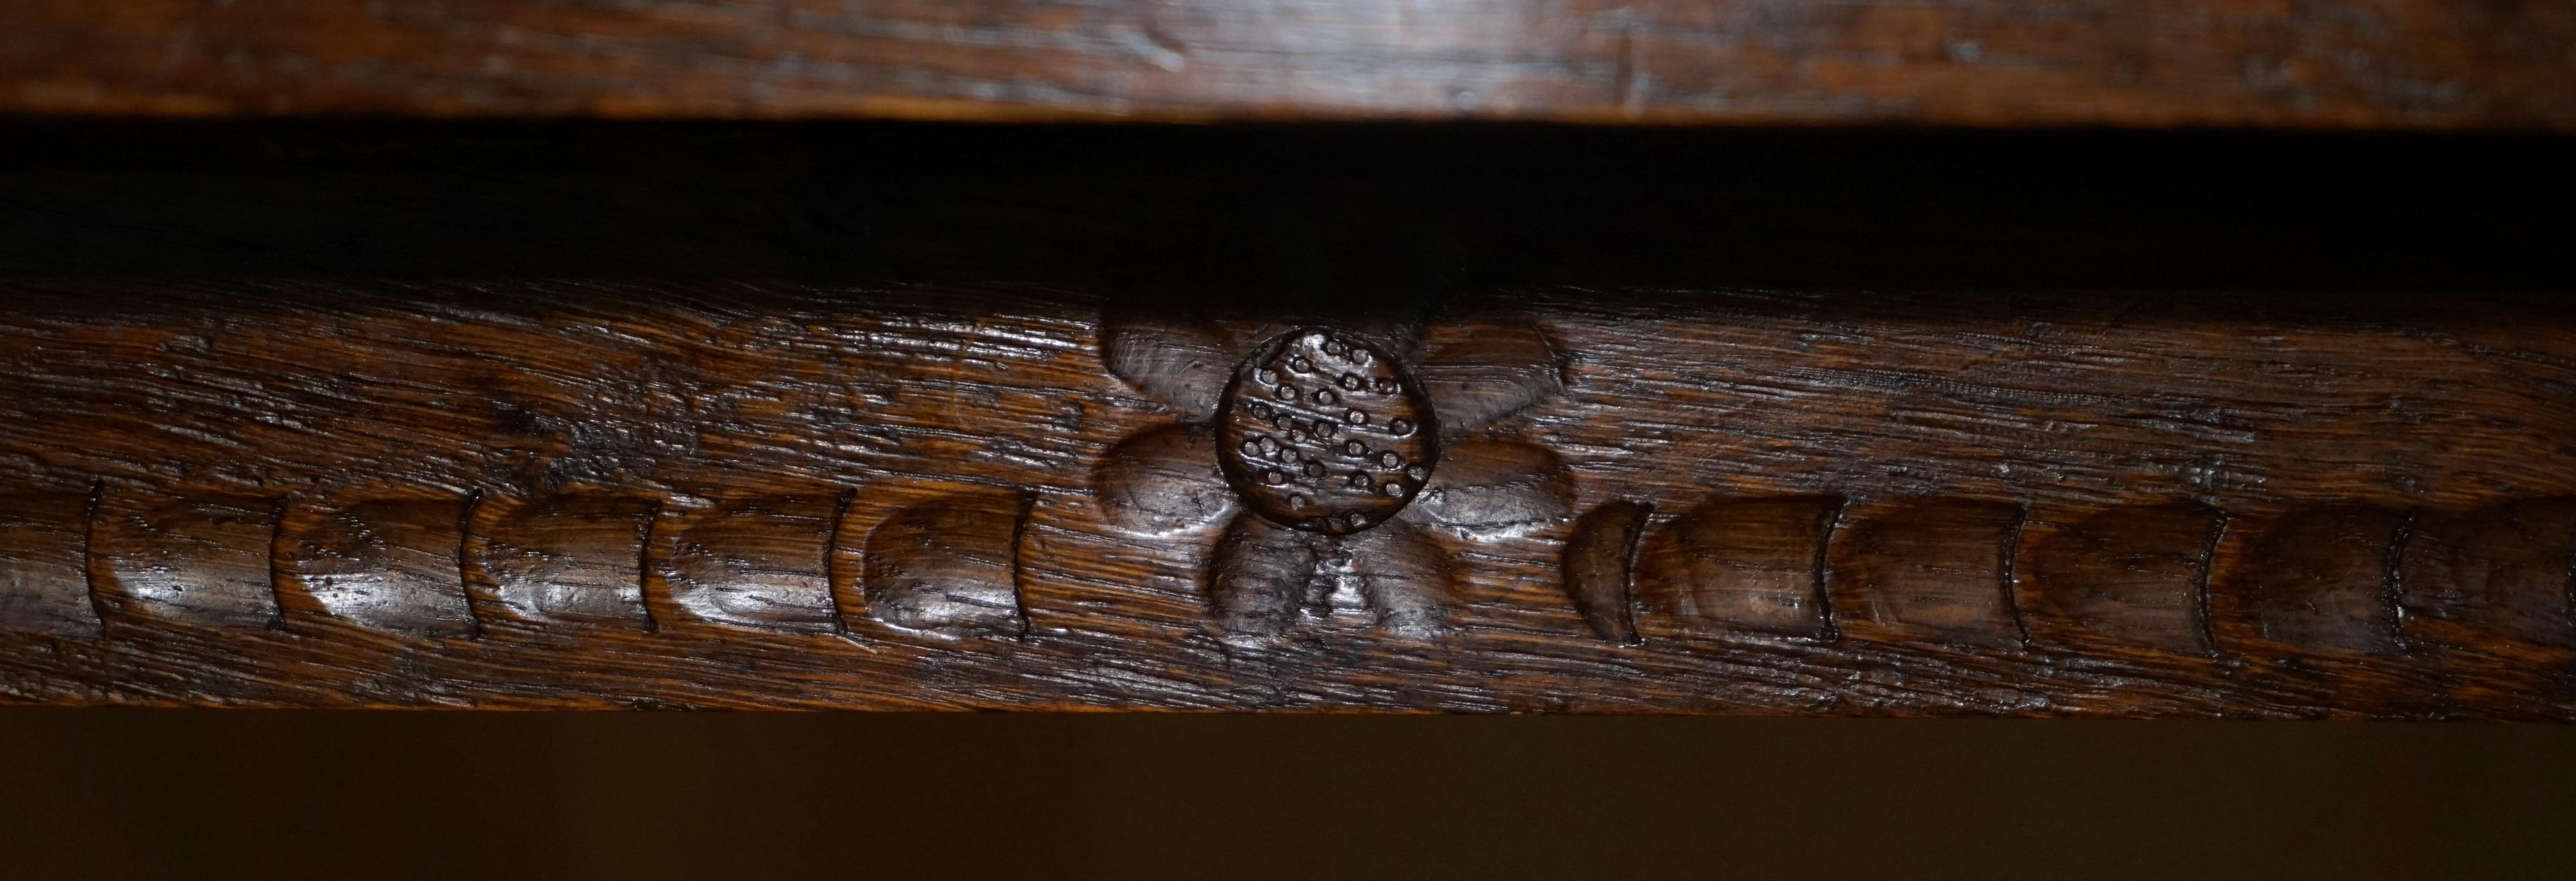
{"type": "Point", "coordinates": [832, 575]}
{"type": "Point", "coordinates": [2008, 582]}
{"type": "Point", "coordinates": [2205, 575]}
{"type": "Point", "coordinates": [466, 517]}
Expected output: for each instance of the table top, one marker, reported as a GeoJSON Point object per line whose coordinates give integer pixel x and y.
{"type": "Point", "coordinates": [2376, 64]}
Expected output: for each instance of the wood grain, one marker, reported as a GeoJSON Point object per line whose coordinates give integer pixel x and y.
{"type": "Point", "coordinates": [725, 493]}
{"type": "Point", "coordinates": [2343, 63]}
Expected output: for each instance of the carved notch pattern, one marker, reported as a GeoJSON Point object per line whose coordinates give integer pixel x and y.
{"type": "Point", "coordinates": [445, 568]}
{"type": "Point", "coordinates": [2346, 580]}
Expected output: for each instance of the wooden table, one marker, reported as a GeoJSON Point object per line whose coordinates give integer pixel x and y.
{"type": "Point", "coordinates": [1993, 418]}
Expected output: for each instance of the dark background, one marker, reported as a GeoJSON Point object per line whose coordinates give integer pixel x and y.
{"type": "Point", "coordinates": [2315, 218]}
{"type": "Point", "coordinates": [1293, 210]}
{"type": "Point", "coordinates": [108, 793]}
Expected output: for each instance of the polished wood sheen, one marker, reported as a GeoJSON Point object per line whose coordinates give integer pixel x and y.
{"type": "Point", "coordinates": [2335, 63]}
{"type": "Point", "coordinates": [785, 494]}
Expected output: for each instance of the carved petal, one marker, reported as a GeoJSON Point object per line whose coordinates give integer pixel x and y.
{"type": "Point", "coordinates": [1486, 490]}
{"type": "Point", "coordinates": [1404, 577]}
{"type": "Point", "coordinates": [1180, 361]}
{"type": "Point", "coordinates": [1478, 371]}
{"type": "Point", "coordinates": [1261, 575]}
{"type": "Point", "coordinates": [1163, 481]}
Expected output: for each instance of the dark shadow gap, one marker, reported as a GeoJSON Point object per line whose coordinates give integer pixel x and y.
{"type": "Point", "coordinates": [1289, 210]}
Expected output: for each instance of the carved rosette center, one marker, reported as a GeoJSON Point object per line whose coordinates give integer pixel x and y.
{"type": "Point", "coordinates": [1324, 432]}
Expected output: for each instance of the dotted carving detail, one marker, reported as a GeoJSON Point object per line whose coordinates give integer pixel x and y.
{"type": "Point", "coordinates": [1323, 432]}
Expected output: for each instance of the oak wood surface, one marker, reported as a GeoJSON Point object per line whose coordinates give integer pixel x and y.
{"type": "Point", "coordinates": [2149, 63]}
{"type": "Point", "coordinates": [315, 415]}
{"type": "Point", "coordinates": [976, 563]}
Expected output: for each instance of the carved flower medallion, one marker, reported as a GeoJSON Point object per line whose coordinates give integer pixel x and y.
{"type": "Point", "coordinates": [1323, 432]}
{"type": "Point", "coordinates": [1332, 456]}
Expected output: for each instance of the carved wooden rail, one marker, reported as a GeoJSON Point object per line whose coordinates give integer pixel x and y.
{"type": "Point", "coordinates": [721, 494]}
